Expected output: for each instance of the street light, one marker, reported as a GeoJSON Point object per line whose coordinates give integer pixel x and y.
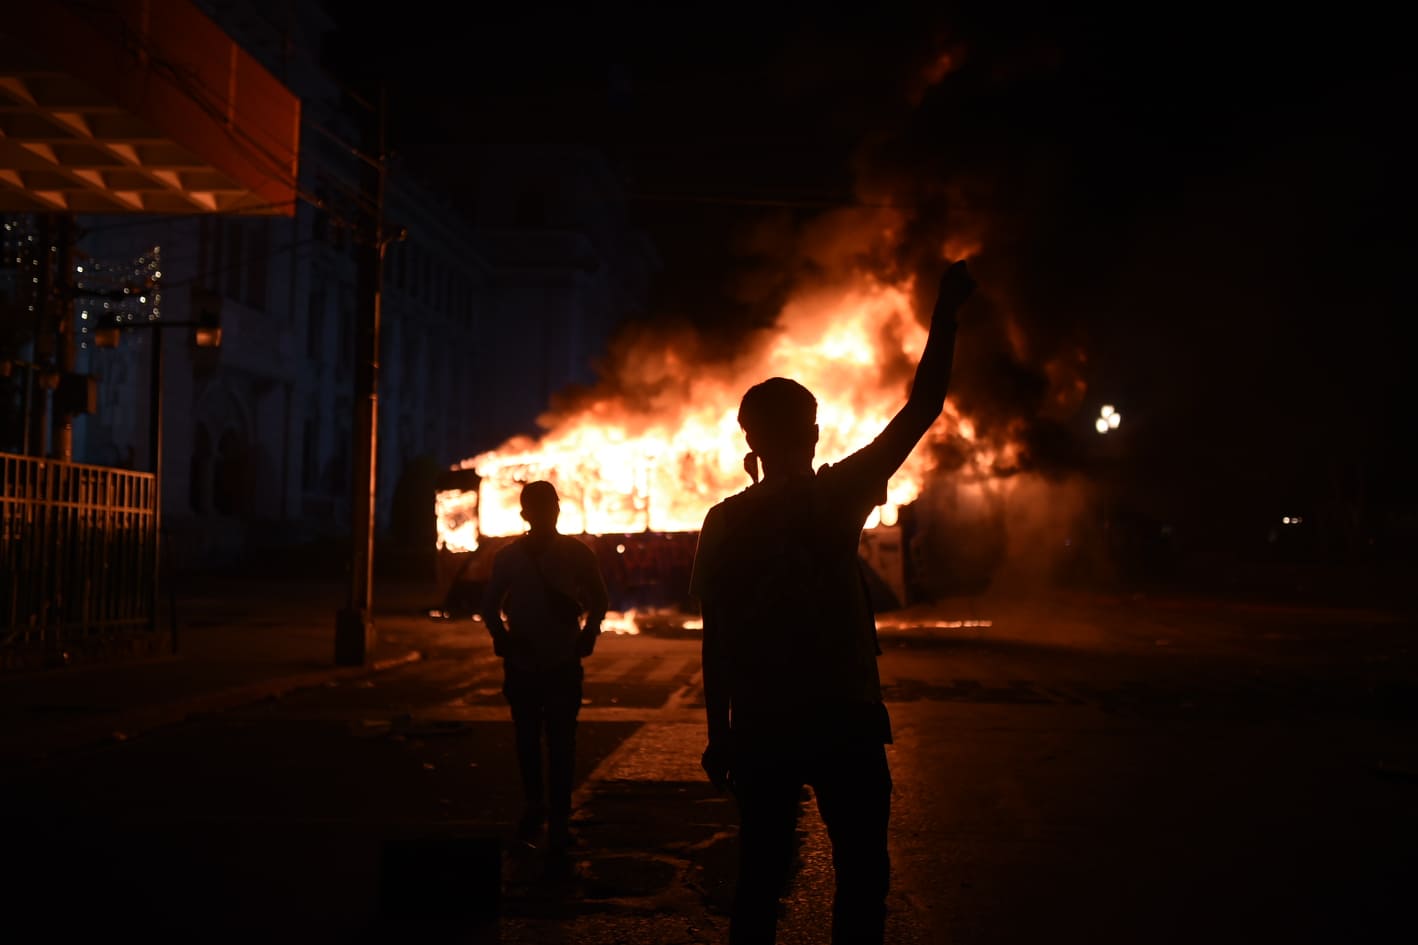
{"type": "Point", "coordinates": [1109, 419]}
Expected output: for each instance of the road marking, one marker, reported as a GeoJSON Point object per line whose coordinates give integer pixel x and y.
{"type": "Point", "coordinates": [691, 691]}
{"type": "Point", "coordinates": [612, 670]}
{"type": "Point", "coordinates": [669, 668]}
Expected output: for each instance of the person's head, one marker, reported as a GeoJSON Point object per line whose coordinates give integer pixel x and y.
{"type": "Point", "coordinates": [541, 506]}
{"type": "Point", "coordinates": [779, 419]}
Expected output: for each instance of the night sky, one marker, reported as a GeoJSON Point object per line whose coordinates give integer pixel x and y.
{"type": "Point", "coordinates": [1215, 206]}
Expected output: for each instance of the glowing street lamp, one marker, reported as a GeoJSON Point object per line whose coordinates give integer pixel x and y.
{"type": "Point", "coordinates": [1108, 420]}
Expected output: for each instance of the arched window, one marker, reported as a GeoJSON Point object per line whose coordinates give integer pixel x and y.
{"type": "Point", "coordinates": [229, 475]}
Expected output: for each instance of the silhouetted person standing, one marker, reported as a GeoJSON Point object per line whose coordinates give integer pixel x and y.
{"type": "Point", "coordinates": [547, 584]}
{"type": "Point", "coordinates": [789, 653]}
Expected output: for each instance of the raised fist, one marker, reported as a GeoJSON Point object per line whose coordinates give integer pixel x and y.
{"type": "Point", "coordinates": [956, 285]}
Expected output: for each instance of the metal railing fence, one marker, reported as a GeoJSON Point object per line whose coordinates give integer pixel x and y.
{"type": "Point", "coordinates": [77, 562]}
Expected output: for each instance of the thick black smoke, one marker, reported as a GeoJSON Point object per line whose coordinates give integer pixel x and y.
{"type": "Point", "coordinates": [1202, 214]}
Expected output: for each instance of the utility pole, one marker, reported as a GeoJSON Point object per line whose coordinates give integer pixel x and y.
{"type": "Point", "coordinates": [354, 625]}
{"type": "Point", "coordinates": [37, 400]}
{"type": "Point", "coordinates": [155, 466]}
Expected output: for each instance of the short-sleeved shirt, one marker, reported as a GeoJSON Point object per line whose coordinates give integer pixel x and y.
{"type": "Point", "coordinates": [544, 596]}
{"type": "Point", "coordinates": [778, 566]}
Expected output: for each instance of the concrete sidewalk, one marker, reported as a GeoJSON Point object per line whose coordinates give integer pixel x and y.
{"type": "Point", "coordinates": [239, 642]}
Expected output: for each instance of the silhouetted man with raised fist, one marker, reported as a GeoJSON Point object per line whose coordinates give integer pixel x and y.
{"type": "Point", "coordinates": [791, 688]}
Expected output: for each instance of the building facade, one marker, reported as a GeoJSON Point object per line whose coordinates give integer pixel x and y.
{"type": "Point", "coordinates": [484, 316]}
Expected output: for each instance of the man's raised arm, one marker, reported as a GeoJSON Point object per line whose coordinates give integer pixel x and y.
{"type": "Point", "coordinates": [932, 379]}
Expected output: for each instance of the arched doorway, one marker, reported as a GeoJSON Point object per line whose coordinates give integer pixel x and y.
{"type": "Point", "coordinates": [199, 472]}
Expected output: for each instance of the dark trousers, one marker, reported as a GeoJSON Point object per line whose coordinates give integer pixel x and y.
{"type": "Point", "coordinates": [544, 705]}
{"type": "Point", "coordinates": [853, 789]}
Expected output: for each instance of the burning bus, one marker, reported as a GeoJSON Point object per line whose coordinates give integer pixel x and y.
{"type": "Point", "coordinates": [639, 459]}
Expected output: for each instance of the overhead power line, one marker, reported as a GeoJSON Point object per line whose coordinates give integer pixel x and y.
{"type": "Point", "coordinates": [793, 203]}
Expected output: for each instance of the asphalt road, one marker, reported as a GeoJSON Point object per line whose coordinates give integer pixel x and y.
{"type": "Point", "coordinates": [1101, 771]}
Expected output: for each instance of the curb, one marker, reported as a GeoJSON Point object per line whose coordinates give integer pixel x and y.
{"type": "Point", "coordinates": [127, 724]}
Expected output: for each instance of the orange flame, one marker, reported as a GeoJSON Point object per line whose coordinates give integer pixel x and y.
{"type": "Point", "coordinates": [659, 465]}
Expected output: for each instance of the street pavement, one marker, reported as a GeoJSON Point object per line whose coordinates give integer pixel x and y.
{"type": "Point", "coordinates": [1082, 768]}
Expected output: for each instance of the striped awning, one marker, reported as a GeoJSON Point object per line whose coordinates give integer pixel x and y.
{"type": "Point", "coordinates": [143, 106]}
